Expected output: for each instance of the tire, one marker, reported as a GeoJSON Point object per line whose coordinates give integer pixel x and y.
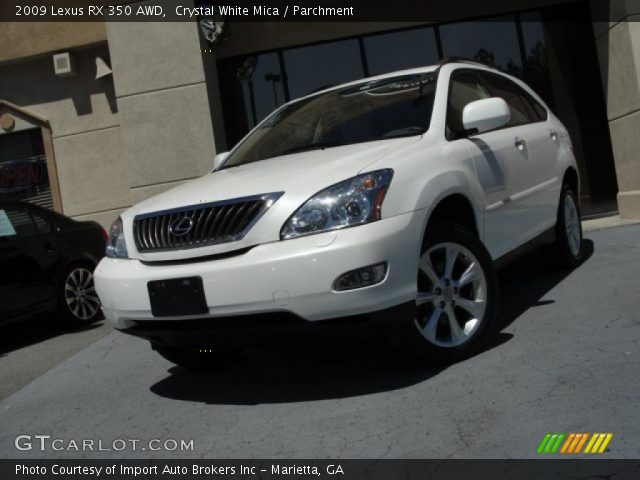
{"type": "Point", "coordinates": [195, 359]}
{"type": "Point", "coordinates": [568, 246]}
{"type": "Point", "coordinates": [453, 320]}
{"type": "Point", "coordinates": [78, 302]}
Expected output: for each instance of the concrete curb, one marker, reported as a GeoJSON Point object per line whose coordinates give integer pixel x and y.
{"type": "Point", "coordinates": [607, 222]}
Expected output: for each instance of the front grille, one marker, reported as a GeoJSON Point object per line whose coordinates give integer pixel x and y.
{"type": "Point", "coordinates": [200, 225]}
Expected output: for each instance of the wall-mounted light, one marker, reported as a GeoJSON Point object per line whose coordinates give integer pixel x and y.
{"type": "Point", "coordinates": [64, 64]}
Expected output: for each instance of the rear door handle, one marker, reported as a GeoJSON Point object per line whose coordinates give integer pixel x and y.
{"type": "Point", "coordinates": [521, 145]}
{"type": "Point", "coordinates": [554, 135]}
{"type": "Point", "coordinates": [47, 247]}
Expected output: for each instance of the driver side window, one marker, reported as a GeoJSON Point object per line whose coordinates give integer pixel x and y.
{"type": "Point", "coordinates": [465, 88]}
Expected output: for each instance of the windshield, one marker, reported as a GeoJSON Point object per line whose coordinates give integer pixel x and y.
{"type": "Point", "coordinates": [376, 110]}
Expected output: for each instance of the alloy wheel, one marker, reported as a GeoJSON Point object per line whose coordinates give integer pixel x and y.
{"type": "Point", "coordinates": [80, 294]}
{"type": "Point", "coordinates": [452, 295]}
{"type": "Point", "coordinates": [572, 225]}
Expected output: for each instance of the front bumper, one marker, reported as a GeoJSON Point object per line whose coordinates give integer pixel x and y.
{"type": "Point", "coordinates": [273, 329]}
{"type": "Point", "coordinates": [291, 276]}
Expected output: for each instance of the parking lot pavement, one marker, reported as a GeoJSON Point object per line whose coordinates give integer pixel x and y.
{"type": "Point", "coordinates": [30, 348]}
{"type": "Point", "coordinates": [566, 360]}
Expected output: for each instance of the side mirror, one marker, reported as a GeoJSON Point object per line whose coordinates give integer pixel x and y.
{"type": "Point", "coordinates": [219, 160]}
{"type": "Point", "coordinates": [486, 114]}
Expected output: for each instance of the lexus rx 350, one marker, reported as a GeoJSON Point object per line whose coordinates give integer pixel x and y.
{"type": "Point", "coordinates": [389, 198]}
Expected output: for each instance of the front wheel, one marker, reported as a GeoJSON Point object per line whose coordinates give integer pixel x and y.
{"type": "Point", "coordinates": [456, 300]}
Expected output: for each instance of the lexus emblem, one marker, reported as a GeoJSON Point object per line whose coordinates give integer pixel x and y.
{"type": "Point", "coordinates": [181, 226]}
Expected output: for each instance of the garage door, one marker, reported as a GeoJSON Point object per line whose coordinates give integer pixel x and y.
{"type": "Point", "coordinates": [23, 168]}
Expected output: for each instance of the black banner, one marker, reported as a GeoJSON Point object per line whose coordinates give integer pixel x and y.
{"type": "Point", "coordinates": [304, 469]}
{"type": "Point", "coordinates": [299, 10]}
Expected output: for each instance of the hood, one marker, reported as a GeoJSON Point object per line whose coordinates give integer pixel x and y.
{"type": "Point", "coordinates": [298, 176]}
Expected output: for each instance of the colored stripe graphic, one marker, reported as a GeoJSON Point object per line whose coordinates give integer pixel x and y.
{"type": "Point", "coordinates": [581, 443]}
{"type": "Point", "coordinates": [565, 447]}
{"type": "Point", "coordinates": [606, 441]}
{"type": "Point", "coordinates": [572, 443]}
{"type": "Point", "coordinates": [550, 443]}
{"type": "Point", "coordinates": [543, 443]}
{"type": "Point", "coordinates": [556, 445]}
{"type": "Point", "coordinates": [591, 442]}
{"type": "Point", "coordinates": [598, 443]}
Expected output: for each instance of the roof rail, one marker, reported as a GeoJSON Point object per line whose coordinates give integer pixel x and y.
{"type": "Point", "coordinates": [455, 59]}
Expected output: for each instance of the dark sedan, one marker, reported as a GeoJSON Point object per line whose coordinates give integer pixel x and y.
{"type": "Point", "coordinates": [46, 264]}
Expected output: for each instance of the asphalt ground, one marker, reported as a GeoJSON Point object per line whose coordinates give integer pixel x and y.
{"type": "Point", "coordinates": [30, 348]}
{"type": "Point", "coordinates": [566, 360]}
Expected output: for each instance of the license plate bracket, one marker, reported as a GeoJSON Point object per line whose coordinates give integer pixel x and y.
{"type": "Point", "coordinates": [177, 297]}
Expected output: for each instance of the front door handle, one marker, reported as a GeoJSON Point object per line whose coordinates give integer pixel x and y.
{"type": "Point", "coordinates": [521, 145]}
{"type": "Point", "coordinates": [48, 247]}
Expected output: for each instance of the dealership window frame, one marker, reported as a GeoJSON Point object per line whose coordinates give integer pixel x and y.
{"type": "Point", "coordinates": [234, 137]}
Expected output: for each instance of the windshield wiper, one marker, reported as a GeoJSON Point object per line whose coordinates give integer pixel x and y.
{"type": "Point", "coordinates": [312, 146]}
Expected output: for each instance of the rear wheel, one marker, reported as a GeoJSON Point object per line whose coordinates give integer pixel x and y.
{"type": "Point", "coordinates": [196, 359]}
{"type": "Point", "coordinates": [456, 300]}
{"type": "Point", "coordinates": [78, 302]}
{"type": "Point", "coordinates": [568, 246]}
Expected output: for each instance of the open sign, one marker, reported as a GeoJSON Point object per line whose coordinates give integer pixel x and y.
{"type": "Point", "coordinates": [20, 175]}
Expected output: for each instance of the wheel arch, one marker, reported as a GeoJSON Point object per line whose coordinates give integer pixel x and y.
{"type": "Point", "coordinates": [572, 179]}
{"type": "Point", "coordinates": [453, 208]}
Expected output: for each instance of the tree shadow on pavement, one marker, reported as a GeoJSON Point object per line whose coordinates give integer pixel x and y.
{"type": "Point", "coordinates": [35, 330]}
{"type": "Point", "coordinates": [317, 372]}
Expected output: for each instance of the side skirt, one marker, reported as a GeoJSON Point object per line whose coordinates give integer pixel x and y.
{"type": "Point", "coordinates": [545, 238]}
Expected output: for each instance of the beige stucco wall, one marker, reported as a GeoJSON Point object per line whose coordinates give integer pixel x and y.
{"type": "Point", "coordinates": [84, 121]}
{"type": "Point", "coordinates": [25, 39]}
{"type": "Point", "coordinates": [125, 137]}
{"type": "Point", "coordinates": [618, 44]}
{"type": "Point", "coordinates": [72, 104]}
{"type": "Point", "coordinates": [166, 127]}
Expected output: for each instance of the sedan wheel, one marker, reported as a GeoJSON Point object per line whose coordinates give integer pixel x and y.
{"type": "Point", "coordinates": [81, 302]}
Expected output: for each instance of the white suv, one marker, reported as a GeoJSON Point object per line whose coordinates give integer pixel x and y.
{"type": "Point", "coordinates": [389, 198]}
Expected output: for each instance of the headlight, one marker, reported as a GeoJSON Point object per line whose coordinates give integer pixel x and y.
{"type": "Point", "coordinates": [116, 246]}
{"type": "Point", "coordinates": [346, 204]}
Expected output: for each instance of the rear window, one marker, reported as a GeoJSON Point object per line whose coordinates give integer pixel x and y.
{"type": "Point", "coordinates": [15, 222]}
{"type": "Point", "coordinates": [42, 221]}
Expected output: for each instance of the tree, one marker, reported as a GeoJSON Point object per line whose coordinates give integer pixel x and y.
{"type": "Point", "coordinates": [485, 56]}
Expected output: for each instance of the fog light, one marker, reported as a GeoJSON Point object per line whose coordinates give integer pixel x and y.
{"type": "Point", "coordinates": [361, 277]}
